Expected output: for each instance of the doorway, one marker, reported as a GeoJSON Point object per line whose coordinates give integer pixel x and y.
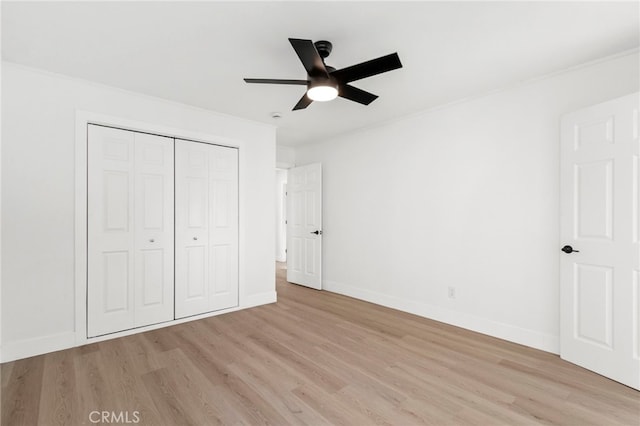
{"type": "Point", "coordinates": [281, 215]}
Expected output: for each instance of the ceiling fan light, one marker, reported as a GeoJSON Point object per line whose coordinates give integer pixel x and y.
{"type": "Point", "coordinates": [322, 93]}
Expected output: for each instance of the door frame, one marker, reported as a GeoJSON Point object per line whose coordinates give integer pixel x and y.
{"type": "Point", "coordinates": [83, 119]}
{"type": "Point", "coordinates": [281, 202]}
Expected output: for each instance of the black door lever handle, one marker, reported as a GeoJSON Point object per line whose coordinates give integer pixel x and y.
{"type": "Point", "coordinates": [317, 232]}
{"type": "Point", "coordinates": [569, 249]}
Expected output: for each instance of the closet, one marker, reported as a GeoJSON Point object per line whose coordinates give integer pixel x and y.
{"type": "Point", "coordinates": [162, 229]}
{"type": "Point", "coordinates": [206, 227]}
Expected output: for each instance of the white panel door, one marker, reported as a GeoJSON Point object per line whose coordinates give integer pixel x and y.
{"type": "Point", "coordinates": [153, 229]}
{"type": "Point", "coordinates": [192, 228]}
{"type": "Point", "coordinates": [223, 227]}
{"type": "Point", "coordinates": [206, 228]}
{"type": "Point", "coordinates": [130, 230]}
{"type": "Point", "coordinates": [600, 232]}
{"type": "Point", "coordinates": [110, 230]}
{"type": "Point", "coordinates": [304, 226]}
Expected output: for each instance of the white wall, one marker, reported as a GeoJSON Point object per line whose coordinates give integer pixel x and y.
{"type": "Point", "coordinates": [281, 229]}
{"type": "Point", "coordinates": [38, 143]}
{"type": "Point", "coordinates": [284, 157]}
{"type": "Point", "coordinates": [464, 196]}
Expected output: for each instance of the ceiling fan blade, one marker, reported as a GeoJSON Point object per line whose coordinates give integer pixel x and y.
{"type": "Point", "coordinates": [367, 69]}
{"type": "Point", "coordinates": [357, 95]}
{"type": "Point", "coordinates": [304, 102]}
{"type": "Point", "coordinates": [276, 81]}
{"type": "Point", "coordinates": [309, 57]}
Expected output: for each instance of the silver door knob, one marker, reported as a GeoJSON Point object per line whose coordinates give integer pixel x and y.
{"type": "Point", "coordinates": [195, 238]}
{"type": "Point", "coordinates": [152, 240]}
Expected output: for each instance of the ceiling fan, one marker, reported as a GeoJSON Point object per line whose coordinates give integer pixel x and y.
{"type": "Point", "coordinates": [324, 82]}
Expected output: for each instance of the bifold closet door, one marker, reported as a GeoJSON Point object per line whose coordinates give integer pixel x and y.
{"type": "Point", "coordinates": [130, 230]}
{"type": "Point", "coordinates": [206, 228]}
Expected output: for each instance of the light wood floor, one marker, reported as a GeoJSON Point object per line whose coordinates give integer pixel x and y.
{"type": "Point", "coordinates": [313, 358]}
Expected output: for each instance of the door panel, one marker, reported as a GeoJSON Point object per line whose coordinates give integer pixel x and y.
{"type": "Point", "coordinates": [116, 200]}
{"type": "Point", "coordinates": [192, 228]}
{"type": "Point", "coordinates": [153, 190]}
{"type": "Point", "coordinates": [593, 295]}
{"type": "Point", "coordinates": [224, 227]}
{"type": "Point", "coordinates": [110, 244]}
{"type": "Point", "coordinates": [206, 228]}
{"type": "Point", "coordinates": [312, 211]}
{"type": "Point", "coordinates": [297, 200]}
{"type": "Point", "coordinates": [310, 257]}
{"type": "Point", "coordinates": [304, 226]}
{"type": "Point", "coordinates": [221, 202]}
{"type": "Point", "coordinates": [594, 196]}
{"type": "Point", "coordinates": [153, 229]}
{"type": "Point", "coordinates": [116, 281]}
{"type": "Point", "coordinates": [197, 202]}
{"type": "Point", "coordinates": [294, 258]}
{"type": "Point", "coordinates": [196, 273]}
{"type": "Point", "coordinates": [221, 268]}
{"type": "Point", "coordinates": [152, 274]}
{"type": "Point", "coordinates": [594, 134]}
{"type": "Point", "coordinates": [599, 207]}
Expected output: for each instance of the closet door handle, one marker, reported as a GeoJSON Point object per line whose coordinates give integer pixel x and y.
{"type": "Point", "coordinates": [152, 240]}
{"type": "Point", "coordinates": [195, 238]}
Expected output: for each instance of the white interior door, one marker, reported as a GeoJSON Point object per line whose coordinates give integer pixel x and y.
{"type": "Point", "coordinates": [223, 227]}
{"type": "Point", "coordinates": [153, 223]}
{"type": "Point", "coordinates": [110, 230]}
{"type": "Point", "coordinates": [192, 228]}
{"type": "Point", "coordinates": [206, 228]}
{"type": "Point", "coordinates": [304, 226]}
{"type": "Point", "coordinates": [130, 230]}
{"type": "Point", "coordinates": [600, 278]}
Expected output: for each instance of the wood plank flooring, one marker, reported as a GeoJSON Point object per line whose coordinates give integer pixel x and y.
{"type": "Point", "coordinates": [313, 358]}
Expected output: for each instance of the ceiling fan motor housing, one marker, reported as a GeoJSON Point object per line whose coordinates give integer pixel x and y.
{"type": "Point", "coordinates": [323, 47]}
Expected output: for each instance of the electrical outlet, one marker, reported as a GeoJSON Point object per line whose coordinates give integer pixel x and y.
{"type": "Point", "coordinates": [451, 291]}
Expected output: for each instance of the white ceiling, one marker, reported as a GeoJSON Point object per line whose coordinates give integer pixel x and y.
{"type": "Point", "coordinates": [198, 52]}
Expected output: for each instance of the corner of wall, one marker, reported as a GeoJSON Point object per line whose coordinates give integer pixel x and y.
{"type": "Point", "coordinates": [258, 299]}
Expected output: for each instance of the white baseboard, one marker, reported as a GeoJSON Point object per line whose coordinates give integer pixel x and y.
{"type": "Point", "coordinates": [12, 351]}
{"type": "Point", "coordinates": [549, 343]}
{"type": "Point", "coordinates": [260, 299]}
{"type": "Point", "coordinates": [523, 336]}
{"type": "Point", "coordinates": [37, 346]}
